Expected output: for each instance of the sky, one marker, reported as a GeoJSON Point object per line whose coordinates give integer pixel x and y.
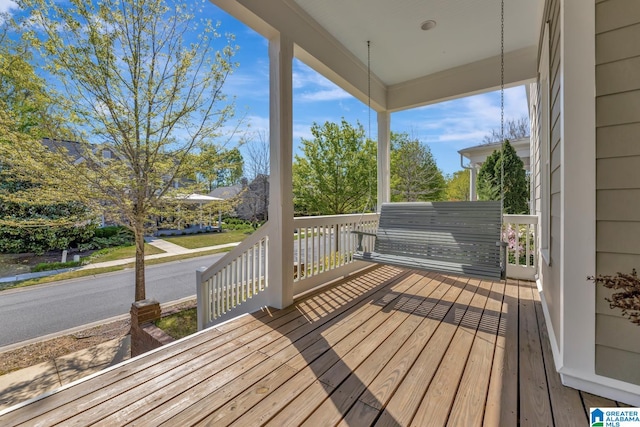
{"type": "Point", "coordinates": [445, 127]}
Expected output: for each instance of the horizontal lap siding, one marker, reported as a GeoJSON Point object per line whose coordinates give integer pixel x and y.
{"type": "Point", "coordinates": [551, 272]}
{"type": "Point", "coordinates": [617, 178]}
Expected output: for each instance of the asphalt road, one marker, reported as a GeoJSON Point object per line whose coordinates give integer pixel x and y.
{"type": "Point", "coordinates": [32, 312]}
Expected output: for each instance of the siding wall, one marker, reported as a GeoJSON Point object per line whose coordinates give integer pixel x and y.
{"type": "Point", "coordinates": [617, 177]}
{"type": "Point", "coordinates": [549, 273]}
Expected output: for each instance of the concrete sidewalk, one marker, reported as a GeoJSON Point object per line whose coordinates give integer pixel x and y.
{"type": "Point", "coordinates": [24, 384]}
{"type": "Point", "coordinates": [169, 248]}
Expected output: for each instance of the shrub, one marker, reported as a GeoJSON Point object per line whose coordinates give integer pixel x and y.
{"type": "Point", "coordinates": [46, 266]}
{"type": "Point", "coordinates": [42, 239]}
{"type": "Point", "coordinates": [114, 236]}
{"type": "Point", "coordinates": [109, 231]}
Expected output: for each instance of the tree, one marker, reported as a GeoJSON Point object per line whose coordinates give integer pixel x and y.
{"type": "Point", "coordinates": [135, 84]}
{"type": "Point", "coordinates": [256, 199]}
{"type": "Point", "coordinates": [513, 129]}
{"type": "Point", "coordinates": [217, 166]}
{"type": "Point", "coordinates": [414, 172]}
{"type": "Point", "coordinates": [35, 224]}
{"type": "Point", "coordinates": [459, 186]}
{"type": "Point", "coordinates": [516, 186]}
{"type": "Point", "coordinates": [257, 156]}
{"type": "Point", "coordinates": [337, 172]}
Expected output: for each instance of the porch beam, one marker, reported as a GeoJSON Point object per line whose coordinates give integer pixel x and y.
{"type": "Point", "coordinates": [384, 162]}
{"type": "Point", "coordinates": [280, 262]}
{"type": "Point", "coordinates": [466, 80]}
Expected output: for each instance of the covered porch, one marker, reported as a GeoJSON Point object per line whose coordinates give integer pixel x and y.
{"type": "Point", "coordinates": [386, 346]}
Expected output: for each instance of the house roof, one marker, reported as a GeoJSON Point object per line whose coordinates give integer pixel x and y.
{"type": "Point", "coordinates": [72, 148]}
{"type": "Point", "coordinates": [226, 192]}
{"type": "Point", "coordinates": [409, 67]}
{"type": "Point", "coordinates": [477, 154]}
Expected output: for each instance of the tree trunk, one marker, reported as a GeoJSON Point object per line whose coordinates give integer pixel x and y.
{"type": "Point", "coordinates": [140, 285]}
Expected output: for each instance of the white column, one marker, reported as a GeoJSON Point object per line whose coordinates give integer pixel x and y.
{"type": "Point", "coordinates": [473, 177]}
{"type": "Point", "coordinates": [384, 162]}
{"type": "Point", "coordinates": [281, 182]}
{"type": "Point", "coordinates": [578, 204]}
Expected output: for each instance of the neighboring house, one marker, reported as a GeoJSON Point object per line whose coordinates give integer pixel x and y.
{"type": "Point", "coordinates": [226, 192]}
{"type": "Point", "coordinates": [254, 197]}
{"type": "Point", "coordinates": [76, 150]}
{"type": "Point", "coordinates": [581, 58]}
{"type": "Point", "coordinates": [255, 200]}
{"type": "Point", "coordinates": [477, 155]}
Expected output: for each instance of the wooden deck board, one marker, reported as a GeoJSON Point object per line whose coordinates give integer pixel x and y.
{"type": "Point", "coordinates": [565, 401]}
{"type": "Point", "coordinates": [535, 407]}
{"type": "Point", "coordinates": [501, 408]}
{"type": "Point", "coordinates": [469, 404]}
{"type": "Point", "coordinates": [385, 347]}
{"type": "Point", "coordinates": [407, 398]}
{"type": "Point", "coordinates": [372, 359]}
{"type": "Point", "coordinates": [444, 386]}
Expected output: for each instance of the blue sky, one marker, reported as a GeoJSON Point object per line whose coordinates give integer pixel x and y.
{"type": "Point", "coordinates": [446, 127]}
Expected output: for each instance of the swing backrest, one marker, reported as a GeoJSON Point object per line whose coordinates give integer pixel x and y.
{"type": "Point", "coordinates": [460, 237]}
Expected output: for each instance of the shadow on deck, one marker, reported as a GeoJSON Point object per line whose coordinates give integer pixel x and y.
{"type": "Point", "coordinates": [386, 346]}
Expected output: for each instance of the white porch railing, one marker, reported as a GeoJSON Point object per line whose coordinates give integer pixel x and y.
{"type": "Point", "coordinates": [520, 233]}
{"type": "Point", "coordinates": [324, 245]}
{"type": "Point", "coordinates": [239, 276]}
{"type": "Point", "coordinates": [323, 249]}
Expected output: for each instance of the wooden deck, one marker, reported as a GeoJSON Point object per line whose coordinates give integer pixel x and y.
{"type": "Point", "coordinates": [388, 347]}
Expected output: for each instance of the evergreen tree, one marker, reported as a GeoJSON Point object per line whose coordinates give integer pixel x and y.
{"type": "Point", "coordinates": [516, 185]}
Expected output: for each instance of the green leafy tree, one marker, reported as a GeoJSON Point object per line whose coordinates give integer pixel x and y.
{"type": "Point", "coordinates": [459, 186]}
{"type": "Point", "coordinates": [414, 173]}
{"type": "Point", "coordinates": [136, 84]}
{"type": "Point", "coordinates": [516, 186]}
{"type": "Point", "coordinates": [36, 224]}
{"type": "Point", "coordinates": [217, 166]}
{"type": "Point", "coordinates": [337, 172]}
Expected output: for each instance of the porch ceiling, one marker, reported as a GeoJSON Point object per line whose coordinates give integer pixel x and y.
{"type": "Point", "coordinates": [410, 67]}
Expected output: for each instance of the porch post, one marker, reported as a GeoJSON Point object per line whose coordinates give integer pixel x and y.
{"type": "Point", "coordinates": [578, 203]}
{"type": "Point", "coordinates": [281, 182]}
{"type": "Point", "coordinates": [473, 176]}
{"type": "Point", "coordinates": [384, 162]}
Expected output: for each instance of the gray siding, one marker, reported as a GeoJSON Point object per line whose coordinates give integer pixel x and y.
{"type": "Point", "coordinates": [617, 177]}
{"type": "Point", "coordinates": [551, 273]}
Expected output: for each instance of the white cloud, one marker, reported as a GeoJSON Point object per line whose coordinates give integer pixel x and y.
{"type": "Point", "coordinates": [310, 86]}
{"type": "Point", "coordinates": [7, 6]}
{"type": "Point", "coordinates": [463, 122]}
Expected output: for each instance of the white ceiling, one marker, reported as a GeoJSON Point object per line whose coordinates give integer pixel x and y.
{"type": "Point", "coordinates": [466, 31]}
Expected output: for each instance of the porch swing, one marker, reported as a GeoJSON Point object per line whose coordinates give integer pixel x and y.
{"type": "Point", "coordinates": [461, 238]}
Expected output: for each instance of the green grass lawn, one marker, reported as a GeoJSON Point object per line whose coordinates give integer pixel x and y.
{"type": "Point", "coordinates": [180, 324]}
{"type": "Point", "coordinates": [121, 252]}
{"type": "Point", "coordinates": [194, 241]}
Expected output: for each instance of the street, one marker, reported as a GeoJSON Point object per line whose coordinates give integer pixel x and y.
{"type": "Point", "coordinates": [32, 312]}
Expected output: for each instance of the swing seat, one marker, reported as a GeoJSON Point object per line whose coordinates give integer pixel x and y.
{"type": "Point", "coordinates": [446, 237]}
